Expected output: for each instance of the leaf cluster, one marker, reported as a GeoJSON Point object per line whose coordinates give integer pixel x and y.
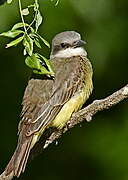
{"type": "Point", "coordinates": [28, 35]}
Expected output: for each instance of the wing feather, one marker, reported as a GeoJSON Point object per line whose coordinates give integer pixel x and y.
{"type": "Point", "coordinates": [43, 99]}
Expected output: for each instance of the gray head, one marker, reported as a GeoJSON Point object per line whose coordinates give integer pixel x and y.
{"type": "Point", "coordinates": [67, 44]}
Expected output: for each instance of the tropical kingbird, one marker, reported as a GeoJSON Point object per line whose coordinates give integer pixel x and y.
{"type": "Point", "coordinates": [50, 102]}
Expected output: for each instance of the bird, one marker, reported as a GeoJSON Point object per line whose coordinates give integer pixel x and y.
{"type": "Point", "coordinates": [50, 102]}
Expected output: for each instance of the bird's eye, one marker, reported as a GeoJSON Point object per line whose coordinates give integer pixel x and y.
{"type": "Point", "coordinates": [64, 45]}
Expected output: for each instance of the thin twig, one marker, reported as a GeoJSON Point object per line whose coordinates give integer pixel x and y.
{"type": "Point", "coordinates": [35, 16]}
{"type": "Point", "coordinates": [20, 7]}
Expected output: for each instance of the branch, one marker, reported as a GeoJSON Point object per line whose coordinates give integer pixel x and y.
{"type": "Point", "coordinates": [88, 112]}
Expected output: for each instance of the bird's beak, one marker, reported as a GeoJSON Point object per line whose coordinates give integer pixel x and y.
{"type": "Point", "coordinates": [79, 43]}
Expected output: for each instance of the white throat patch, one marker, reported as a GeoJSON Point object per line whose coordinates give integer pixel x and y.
{"type": "Point", "coordinates": [69, 52]}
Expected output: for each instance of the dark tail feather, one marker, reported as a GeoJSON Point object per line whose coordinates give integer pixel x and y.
{"type": "Point", "coordinates": [22, 157]}
{"type": "Point", "coordinates": [19, 159]}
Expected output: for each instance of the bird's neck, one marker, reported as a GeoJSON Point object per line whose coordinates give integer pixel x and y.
{"type": "Point", "coordinates": [69, 52]}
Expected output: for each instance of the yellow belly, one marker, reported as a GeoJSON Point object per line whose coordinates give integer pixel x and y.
{"type": "Point", "coordinates": [73, 105]}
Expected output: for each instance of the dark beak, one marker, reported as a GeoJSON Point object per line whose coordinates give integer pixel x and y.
{"type": "Point", "coordinates": [79, 43]}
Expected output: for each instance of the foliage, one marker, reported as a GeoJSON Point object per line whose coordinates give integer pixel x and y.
{"type": "Point", "coordinates": [27, 34]}
{"type": "Point", "coordinates": [95, 150]}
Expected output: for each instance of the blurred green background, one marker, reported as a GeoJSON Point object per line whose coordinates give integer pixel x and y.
{"type": "Point", "coordinates": [96, 150]}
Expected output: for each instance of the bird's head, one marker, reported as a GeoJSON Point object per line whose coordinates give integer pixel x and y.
{"type": "Point", "coordinates": [67, 44]}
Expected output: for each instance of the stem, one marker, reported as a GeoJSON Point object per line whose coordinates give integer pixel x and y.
{"type": "Point", "coordinates": [22, 16]}
{"type": "Point", "coordinates": [35, 16]}
{"type": "Point", "coordinates": [32, 22]}
{"type": "Point", "coordinates": [36, 1]}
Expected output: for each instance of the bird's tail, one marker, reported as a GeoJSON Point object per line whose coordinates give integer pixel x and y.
{"type": "Point", "coordinates": [18, 161]}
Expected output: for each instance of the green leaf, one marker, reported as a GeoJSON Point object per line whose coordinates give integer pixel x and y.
{"type": "Point", "coordinates": [38, 20]}
{"type": "Point", "coordinates": [19, 25]}
{"type": "Point", "coordinates": [24, 52]}
{"type": "Point", "coordinates": [37, 43]}
{"type": "Point", "coordinates": [28, 44]}
{"type": "Point", "coordinates": [44, 41]}
{"type": "Point", "coordinates": [9, 1]}
{"type": "Point", "coordinates": [32, 62]}
{"type": "Point", "coordinates": [57, 2]}
{"type": "Point", "coordinates": [15, 42]}
{"type": "Point", "coordinates": [25, 12]}
{"type": "Point", "coordinates": [12, 33]}
{"type": "Point", "coordinates": [48, 64]}
{"type": "Point", "coordinates": [37, 36]}
{"type": "Point", "coordinates": [33, 35]}
{"type": "Point", "coordinates": [42, 70]}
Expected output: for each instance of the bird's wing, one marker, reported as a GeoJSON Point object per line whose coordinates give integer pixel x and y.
{"type": "Point", "coordinates": [43, 99]}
